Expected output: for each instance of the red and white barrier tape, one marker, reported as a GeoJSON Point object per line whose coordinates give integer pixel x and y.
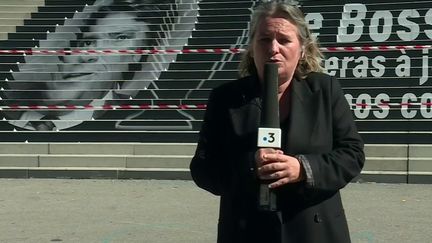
{"type": "Point", "coordinates": [375, 48]}
{"type": "Point", "coordinates": [104, 107]}
{"type": "Point", "coordinates": [182, 107]}
{"type": "Point", "coordinates": [216, 50]}
{"type": "Point", "coordinates": [137, 51]}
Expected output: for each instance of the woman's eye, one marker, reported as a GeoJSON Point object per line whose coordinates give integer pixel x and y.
{"type": "Point", "coordinates": [265, 39]}
{"type": "Point", "coordinates": [284, 41]}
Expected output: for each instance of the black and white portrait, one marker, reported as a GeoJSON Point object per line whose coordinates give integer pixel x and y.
{"type": "Point", "coordinates": [75, 83]}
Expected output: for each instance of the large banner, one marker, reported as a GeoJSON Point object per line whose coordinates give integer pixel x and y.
{"type": "Point", "coordinates": [380, 52]}
{"type": "Point", "coordinates": [74, 85]}
{"type": "Point", "coordinates": [141, 70]}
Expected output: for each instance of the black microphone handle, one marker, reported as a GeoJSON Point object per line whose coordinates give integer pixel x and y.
{"type": "Point", "coordinates": [270, 102]}
{"type": "Point", "coordinates": [269, 119]}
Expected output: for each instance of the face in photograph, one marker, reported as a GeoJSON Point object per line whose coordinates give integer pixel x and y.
{"type": "Point", "coordinates": [80, 73]}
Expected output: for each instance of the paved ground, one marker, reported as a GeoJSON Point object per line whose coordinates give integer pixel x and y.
{"type": "Point", "coordinates": [108, 211]}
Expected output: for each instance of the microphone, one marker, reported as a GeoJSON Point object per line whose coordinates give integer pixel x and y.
{"type": "Point", "coordinates": [269, 132]}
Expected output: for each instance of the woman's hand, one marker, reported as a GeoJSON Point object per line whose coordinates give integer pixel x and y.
{"type": "Point", "coordinates": [277, 167]}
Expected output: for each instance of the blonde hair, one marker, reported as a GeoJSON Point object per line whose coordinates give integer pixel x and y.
{"type": "Point", "coordinates": [312, 56]}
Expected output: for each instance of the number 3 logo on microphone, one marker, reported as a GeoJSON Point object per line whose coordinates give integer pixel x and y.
{"type": "Point", "coordinates": [269, 137]}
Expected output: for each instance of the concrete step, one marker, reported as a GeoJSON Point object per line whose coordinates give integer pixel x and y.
{"type": "Point", "coordinates": [5, 29]}
{"type": "Point", "coordinates": [384, 162]}
{"type": "Point", "coordinates": [99, 148]}
{"type": "Point", "coordinates": [18, 9]}
{"type": "Point", "coordinates": [21, 3]}
{"type": "Point", "coordinates": [382, 150]}
{"type": "Point", "coordinates": [96, 160]}
{"type": "Point", "coordinates": [3, 36]}
{"type": "Point", "coordinates": [123, 148]}
{"type": "Point", "coordinates": [13, 13]}
{"type": "Point", "coordinates": [398, 163]}
{"type": "Point", "coordinates": [95, 173]}
{"type": "Point", "coordinates": [13, 22]}
{"type": "Point", "coordinates": [8, 15]}
{"type": "Point", "coordinates": [115, 161]}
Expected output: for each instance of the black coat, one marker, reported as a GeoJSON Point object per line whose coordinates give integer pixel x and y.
{"type": "Point", "coordinates": [320, 126]}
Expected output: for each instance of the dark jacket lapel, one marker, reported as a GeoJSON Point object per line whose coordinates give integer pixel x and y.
{"type": "Point", "coordinates": [305, 108]}
{"type": "Point", "coordinates": [304, 112]}
{"type": "Point", "coordinates": [245, 116]}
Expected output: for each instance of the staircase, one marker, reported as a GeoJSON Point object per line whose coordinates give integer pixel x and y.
{"type": "Point", "coordinates": [387, 163]}
{"type": "Point", "coordinates": [396, 129]}
{"type": "Point", "coordinates": [13, 14]}
{"type": "Point", "coordinates": [96, 161]}
{"type": "Point", "coordinates": [398, 163]}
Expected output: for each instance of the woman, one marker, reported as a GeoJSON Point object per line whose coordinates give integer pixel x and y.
{"type": "Point", "coordinates": [321, 148]}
